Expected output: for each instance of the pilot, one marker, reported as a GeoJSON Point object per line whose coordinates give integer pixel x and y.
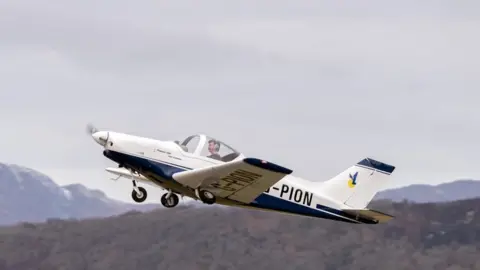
{"type": "Point", "coordinates": [213, 147]}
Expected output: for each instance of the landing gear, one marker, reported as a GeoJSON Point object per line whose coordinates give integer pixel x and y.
{"type": "Point", "coordinates": [139, 194]}
{"type": "Point", "coordinates": [169, 200]}
{"type": "Point", "coordinates": [206, 196]}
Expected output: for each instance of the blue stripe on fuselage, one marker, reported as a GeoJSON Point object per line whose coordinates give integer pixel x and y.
{"type": "Point", "coordinates": [264, 201]}
{"type": "Point", "coordinates": [162, 169]}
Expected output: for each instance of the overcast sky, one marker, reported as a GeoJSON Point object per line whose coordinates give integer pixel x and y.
{"type": "Point", "coordinates": [312, 85]}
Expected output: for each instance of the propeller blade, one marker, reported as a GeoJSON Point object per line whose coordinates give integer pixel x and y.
{"type": "Point", "coordinates": [91, 129]}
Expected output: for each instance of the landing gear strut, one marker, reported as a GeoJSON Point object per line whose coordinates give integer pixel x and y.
{"type": "Point", "coordinates": [139, 194]}
{"type": "Point", "coordinates": [169, 199]}
{"type": "Point", "coordinates": [205, 196]}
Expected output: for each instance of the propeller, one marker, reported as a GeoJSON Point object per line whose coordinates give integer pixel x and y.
{"type": "Point", "coordinates": [91, 129]}
{"type": "Point", "coordinates": [101, 137]}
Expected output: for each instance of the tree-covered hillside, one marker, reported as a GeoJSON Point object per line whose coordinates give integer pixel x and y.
{"type": "Point", "coordinates": [422, 236]}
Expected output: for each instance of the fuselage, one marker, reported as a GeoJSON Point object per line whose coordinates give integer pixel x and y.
{"type": "Point", "coordinates": [158, 160]}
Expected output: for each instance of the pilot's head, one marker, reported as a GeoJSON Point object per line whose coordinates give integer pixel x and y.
{"type": "Point", "coordinates": [213, 146]}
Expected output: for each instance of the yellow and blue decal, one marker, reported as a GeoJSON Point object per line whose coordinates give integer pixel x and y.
{"type": "Point", "coordinates": [352, 180]}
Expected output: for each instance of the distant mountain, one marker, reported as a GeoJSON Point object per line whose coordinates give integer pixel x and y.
{"type": "Point", "coordinates": [28, 195]}
{"type": "Point", "coordinates": [452, 191]}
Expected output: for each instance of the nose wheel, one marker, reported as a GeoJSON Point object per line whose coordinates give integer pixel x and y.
{"type": "Point", "coordinates": [169, 200]}
{"type": "Point", "coordinates": [139, 194]}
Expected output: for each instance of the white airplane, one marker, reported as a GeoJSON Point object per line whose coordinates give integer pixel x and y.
{"type": "Point", "coordinates": [206, 169]}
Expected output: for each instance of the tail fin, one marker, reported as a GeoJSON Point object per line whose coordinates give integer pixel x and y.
{"type": "Point", "coordinates": [356, 186]}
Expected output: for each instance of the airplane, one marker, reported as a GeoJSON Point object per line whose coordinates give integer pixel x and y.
{"type": "Point", "coordinates": [230, 178]}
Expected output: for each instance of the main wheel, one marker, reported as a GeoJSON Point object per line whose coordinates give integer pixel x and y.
{"type": "Point", "coordinates": [207, 197]}
{"type": "Point", "coordinates": [139, 197]}
{"type": "Point", "coordinates": [172, 201]}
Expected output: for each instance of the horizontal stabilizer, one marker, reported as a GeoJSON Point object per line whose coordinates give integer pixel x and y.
{"type": "Point", "coordinates": [369, 214]}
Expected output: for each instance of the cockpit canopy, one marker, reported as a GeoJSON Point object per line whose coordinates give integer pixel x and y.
{"type": "Point", "coordinates": [209, 147]}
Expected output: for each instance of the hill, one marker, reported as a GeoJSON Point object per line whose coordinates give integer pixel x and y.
{"type": "Point", "coordinates": [423, 236]}
{"type": "Point", "coordinates": [452, 191]}
{"type": "Point", "coordinates": [28, 195]}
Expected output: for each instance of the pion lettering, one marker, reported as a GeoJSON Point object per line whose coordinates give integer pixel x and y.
{"type": "Point", "coordinates": [291, 193]}
{"type": "Point", "coordinates": [296, 195]}
{"type": "Point", "coordinates": [307, 198]}
{"type": "Point", "coordinates": [284, 190]}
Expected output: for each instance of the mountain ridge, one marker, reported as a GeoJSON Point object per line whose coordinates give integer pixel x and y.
{"type": "Point", "coordinates": [29, 195]}
{"type": "Point", "coordinates": [423, 193]}
{"type": "Point", "coordinates": [23, 190]}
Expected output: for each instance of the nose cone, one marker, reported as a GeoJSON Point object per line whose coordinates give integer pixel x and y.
{"type": "Point", "coordinates": [100, 137]}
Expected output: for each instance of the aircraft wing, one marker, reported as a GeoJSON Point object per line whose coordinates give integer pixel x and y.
{"type": "Point", "coordinates": [242, 180]}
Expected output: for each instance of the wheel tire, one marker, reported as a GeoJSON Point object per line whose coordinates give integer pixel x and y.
{"type": "Point", "coordinates": [170, 202]}
{"type": "Point", "coordinates": [207, 197]}
{"type": "Point", "coordinates": [139, 197]}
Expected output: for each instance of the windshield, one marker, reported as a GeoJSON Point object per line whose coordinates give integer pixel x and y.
{"type": "Point", "coordinates": [190, 144]}
{"type": "Point", "coordinates": [208, 147]}
{"type": "Point", "coordinates": [218, 150]}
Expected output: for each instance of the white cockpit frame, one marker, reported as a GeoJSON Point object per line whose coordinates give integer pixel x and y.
{"type": "Point", "coordinates": [202, 146]}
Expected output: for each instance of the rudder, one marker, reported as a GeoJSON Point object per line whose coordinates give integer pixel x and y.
{"type": "Point", "coordinates": [356, 186]}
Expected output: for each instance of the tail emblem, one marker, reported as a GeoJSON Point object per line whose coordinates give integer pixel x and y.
{"type": "Point", "coordinates": [352, 181]}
